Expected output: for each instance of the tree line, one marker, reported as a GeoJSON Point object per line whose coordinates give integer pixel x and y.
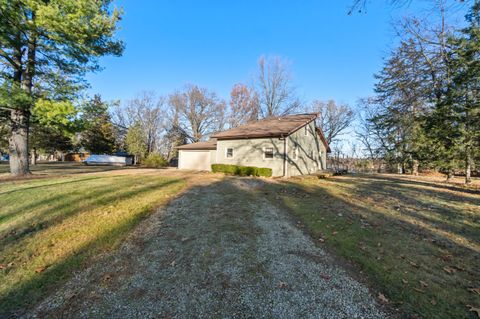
{"type": "Point", "coordinates": [425, 113]}
{"type": "Point", "coordinates": [149, 124]}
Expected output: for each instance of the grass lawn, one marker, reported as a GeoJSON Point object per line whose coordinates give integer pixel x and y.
{"type": "Point", "coordinates": [52, 226]}
{"type": "Point", "coordinates": [49, 169]}
{"type": "Point", "coordinates": [418, 242]}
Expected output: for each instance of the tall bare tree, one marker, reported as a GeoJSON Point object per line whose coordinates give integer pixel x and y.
{"type": "Point", "coordinates": [244, 105]}
{"type": "Point", "coordinates": [334, 118]}
{"type": "Point", "coordinates": [146, 112]}
{"type": "Point", "coordinates": [274, 86]}
{"type": "Point", "coordinates": [200, 111]}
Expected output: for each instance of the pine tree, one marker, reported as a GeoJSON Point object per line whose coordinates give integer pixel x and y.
{"type": "Point", "coordinates": [98, 134]}
{"type": "Point", "coordinates": [466, 88]}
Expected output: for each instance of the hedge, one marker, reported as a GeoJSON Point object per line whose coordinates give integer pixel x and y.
{"type": "Point", "coordinates": [241, 170]}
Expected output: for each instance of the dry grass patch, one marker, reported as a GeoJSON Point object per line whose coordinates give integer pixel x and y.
{"type": "Point", "coordinates": [418, 241]}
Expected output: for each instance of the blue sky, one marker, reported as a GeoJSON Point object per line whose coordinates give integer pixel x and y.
{"type": "Point", "coordinates": [217, 43]}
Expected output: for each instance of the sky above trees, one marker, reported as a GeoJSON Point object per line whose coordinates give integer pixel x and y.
{"type": "Point", "coordinates": [216, 44]}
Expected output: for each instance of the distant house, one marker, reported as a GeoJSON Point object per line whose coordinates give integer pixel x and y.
{"type": "Point", "coordinates": [290, 145]}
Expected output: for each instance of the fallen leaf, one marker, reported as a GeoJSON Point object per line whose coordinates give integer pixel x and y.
{"type": "Point", "coordinates": [40, 269]}
{"type": "Point", "coordinates": [474, 309]}
{"type": "Point", "coordinates": [433, 302]}
{"type": "Point", "coordinates": [172, 263]}
{"type": "Point", "coordinates": [419, 290]}
{"type": "Point", "coordinates": [2, 266]}
{"type": "Point", "coordinates": [382, 298]}
{"type": "Point", "coordinates": [282, 285]}
{"type": "Point", "coordinates": [405, 281]}
{"type": "Point", "coordinates": [326, 277]}
{"type": "Point", "coordinates": [106, 277]}
{"type": "Point", "coordinates": [321, 240]}
{"type": "Point", "coordinates": [474, 290]}
{"type": "Point", "coordinates": [335, 232]}
{"type": "Point", "coordinates": [446, 257]}
{"type": "Point", "coordinates": [423, 283]}
{"type": "Point", "coordinates": [449, 270]}
{"type": "Point", "coordinates": [413, 264]}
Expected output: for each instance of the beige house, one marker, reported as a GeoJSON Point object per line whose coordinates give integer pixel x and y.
{"type": "Point", "coordinates": [290, 145]}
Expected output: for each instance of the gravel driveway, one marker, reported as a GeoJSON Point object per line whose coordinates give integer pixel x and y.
{"type": "Point", "coordinates": [218, 251]}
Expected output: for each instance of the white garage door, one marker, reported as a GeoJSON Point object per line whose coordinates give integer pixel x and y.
{"type": "Point", "coordinates": [199, 160]}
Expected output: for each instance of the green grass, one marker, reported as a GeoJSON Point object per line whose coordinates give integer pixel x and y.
{"type": "Point", "coordinates": [417, 242]}
{"type": "Point", "coordinates": [50, 227]}
{"type": "Point", "coordinates": [62, 168]}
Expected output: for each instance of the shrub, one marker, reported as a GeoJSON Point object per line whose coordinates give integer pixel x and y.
{"type": "Point", "coordinates": [241, 170]}
{"type": "Point", "coordinates": [155, 160]}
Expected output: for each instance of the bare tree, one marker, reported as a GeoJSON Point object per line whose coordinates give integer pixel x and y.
{"type": "Point", "coordinates": [334, 118]}
{"type": "Point", "coordinates": [147, 111]}
{"type": "Point", "coordinates": [244, 105]}
{"type": "Point", "coordinates": [274, 86]}
{"type": "Point", "coordinates": [361, 5]}
{"type": "Point", "coordinates": [200, 112]}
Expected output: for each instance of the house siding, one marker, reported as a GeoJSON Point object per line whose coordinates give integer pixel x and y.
{"type": "Point", "coordinates": [311, 154]}
{"type": "Point", "coordinates": [250, 152]}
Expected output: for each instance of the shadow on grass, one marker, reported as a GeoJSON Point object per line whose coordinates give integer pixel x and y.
{"type": "Point", "coordinates": [22, 296]}
{"type": "Point", "coordinates": [25, 295]}
{"type": "Point", "coordinates": [385, 246]}
{"type": "Point", "coordinates": [55, 214]}
{"type": "Point", "coordinates": [423, 201]}
{"type": "Point", "coordinates": [56, 184]}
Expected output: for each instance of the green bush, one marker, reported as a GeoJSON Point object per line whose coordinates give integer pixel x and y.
{"type": "Point", "coordinates": [155, 160]}
{"type": "Point", "coordinates": [241, 170]}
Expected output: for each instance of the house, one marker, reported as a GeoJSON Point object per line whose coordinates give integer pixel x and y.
{"type": "Point", "coordinates": [290, 145]}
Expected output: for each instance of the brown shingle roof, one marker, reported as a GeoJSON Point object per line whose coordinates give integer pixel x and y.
{"type": "Point", "coordinates": [208, 145]}
{"type": "Point", "coordinates": [271, 127]}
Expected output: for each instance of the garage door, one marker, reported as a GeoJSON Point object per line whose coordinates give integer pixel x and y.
{"type": "Point", "coordinates": [199, 160]}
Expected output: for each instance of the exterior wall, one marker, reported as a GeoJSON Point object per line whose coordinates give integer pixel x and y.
{"type": "Point", "coordinates": [249, 152]}
{"type": "Point", "coordinates": [199, 160]}
{"type": "Point", "coordinates": [311, 153]}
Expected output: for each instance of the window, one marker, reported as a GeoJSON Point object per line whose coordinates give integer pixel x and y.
{"type": "Point", "coordinates": [268, 152]}
{"type": "Point", "coordinates": [295, 152]}
{"type": "Point", "coordinates": [229, 152]}
{"type": "Point", "coordinates": [306, 130]}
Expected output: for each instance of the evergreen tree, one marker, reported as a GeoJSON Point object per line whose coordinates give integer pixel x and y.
{"type": "Point", "coordinates": [98, 135]}
{"type": "Point", "coordinates": [45, 46]}
{"type": "Point", "coordinates": [402, 102]}
{"type": "Point", "coordinates": [465, 91]}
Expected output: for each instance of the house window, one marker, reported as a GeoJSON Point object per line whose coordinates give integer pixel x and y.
{"type": "Point", "coordinates": [229, 153]}
{"type": "Point", "coordinates": [295, 152]}
{"type": "Point", "coordinates": [268, 152]}
{"type": "Point", "coordinates": [306, 130]}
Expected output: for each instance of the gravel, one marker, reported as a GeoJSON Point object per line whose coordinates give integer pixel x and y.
{"type": "Point", "coordinates": [219, 251]}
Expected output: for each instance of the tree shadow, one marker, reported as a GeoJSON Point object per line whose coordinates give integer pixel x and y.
{"type": "Point", "coordinates": [30, 290]}
{"type": "Point", "coordinates": [327, 206]}
{"type": "Point", "coordinates": [49, 215]}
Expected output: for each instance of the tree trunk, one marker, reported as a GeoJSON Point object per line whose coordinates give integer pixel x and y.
{"type": "Point", "coordinates": [399, 168]}
{"type": "Point", "coordinates": [18, 143]}
{"type": "Point", "coordinates": [415, 167]}
{"type": "Point", "coordinates": [468, 167]}
{"type": "Point", "coordinates": [33, 156]}
{"type": "Point", "coordinates": [450, 175]}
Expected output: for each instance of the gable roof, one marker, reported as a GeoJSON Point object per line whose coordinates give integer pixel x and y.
{"type": "Point", "coordinates": [208, 145]}
{"type": "Point", "coordinates": [271, 127]}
